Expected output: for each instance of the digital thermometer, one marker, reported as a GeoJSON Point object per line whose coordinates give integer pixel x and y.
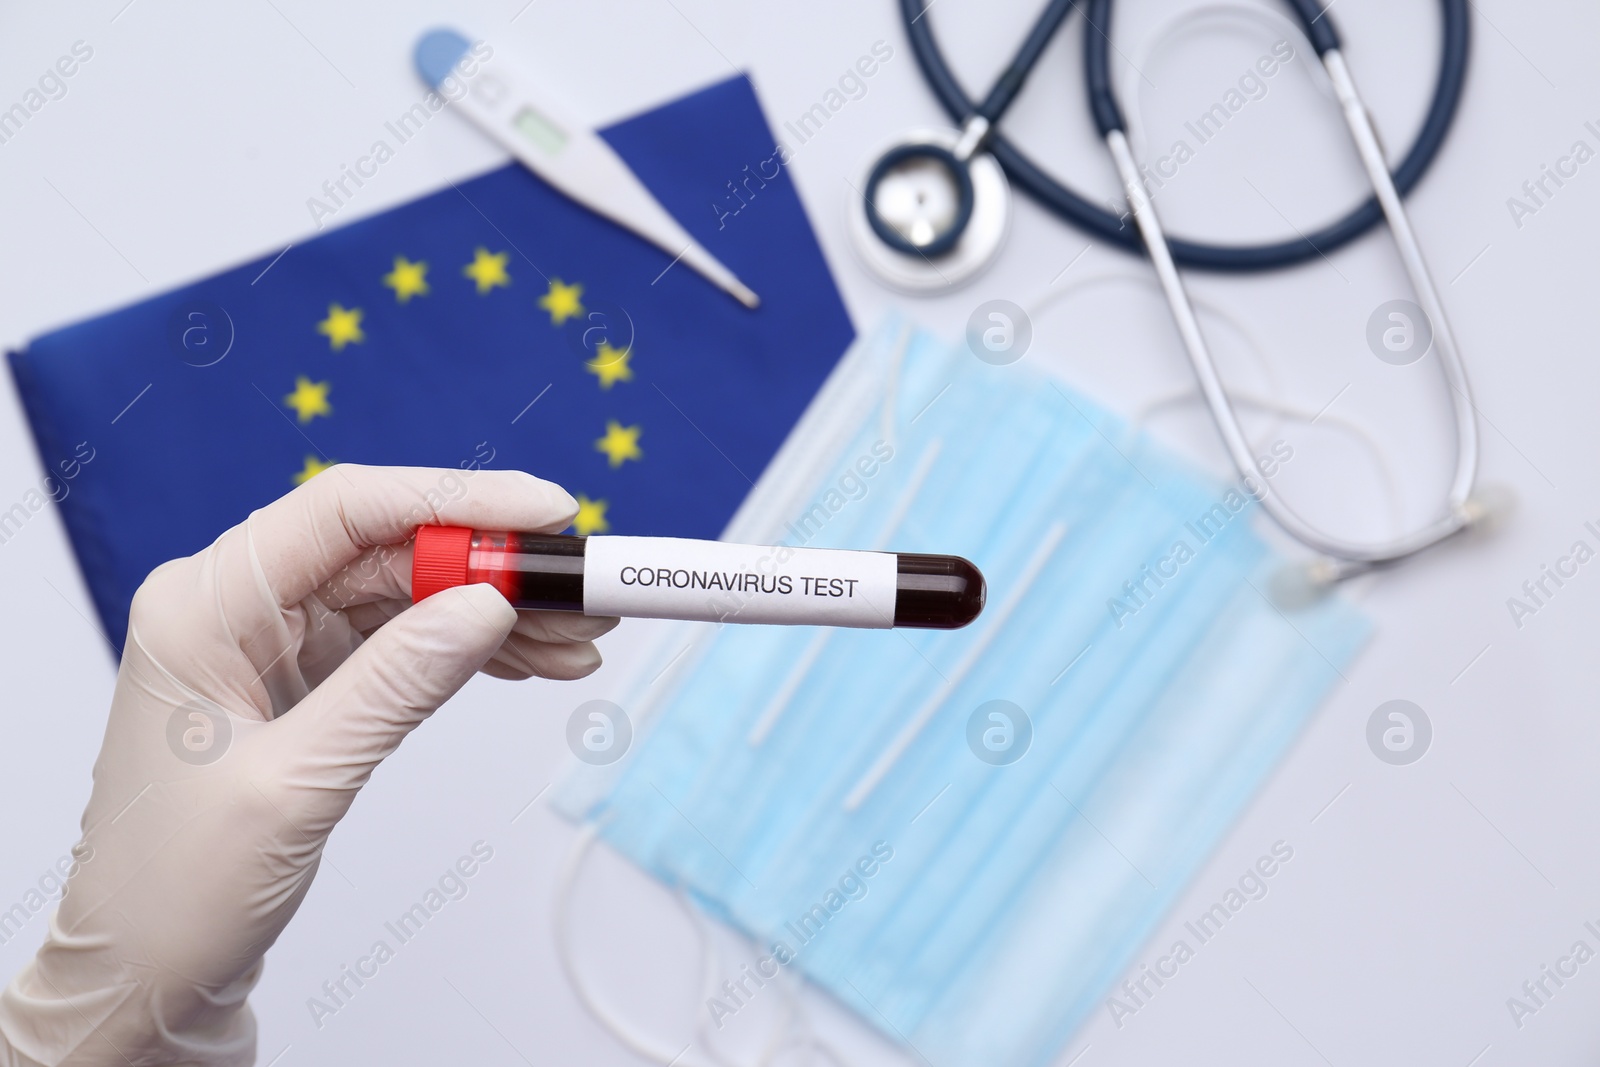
{"type": "Point", "coordinates": [519, 113]}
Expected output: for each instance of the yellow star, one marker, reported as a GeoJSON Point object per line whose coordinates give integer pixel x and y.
{"type": "Point", "coordinates": [309, 399]}
{"type": "Point", "coordinates": [611, 365]}
{"type": "Point", "coordinates": [408, 279]}
{"type": "Point", "coordinates": [342, 326]}
{"type": "Point", "coordinates": [562, 301]}
{"type": "Point", "coordinates": [313, 467]}
{"type": "Point", "coordinates": [591, 518]}
{"type": "Point", "coordinates": [488, 269]}
{"type": "Point", "coordinates": [621, 443]}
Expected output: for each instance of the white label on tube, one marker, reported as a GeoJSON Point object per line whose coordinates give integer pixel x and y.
{"type": "Point", "coordinates": [677, 578]}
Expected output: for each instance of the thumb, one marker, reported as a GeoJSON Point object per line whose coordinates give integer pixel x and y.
{"type": "Point", "coordinates": [324, 749]}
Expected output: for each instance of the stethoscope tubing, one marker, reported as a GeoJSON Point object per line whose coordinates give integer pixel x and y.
{"type": "Point", "coordinates": [1113, 228]}
{"type": "Point", "coordinates": [1168, 254]}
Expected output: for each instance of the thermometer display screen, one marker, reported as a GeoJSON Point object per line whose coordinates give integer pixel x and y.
{"type": "Point", "coordinates": [540, 131]}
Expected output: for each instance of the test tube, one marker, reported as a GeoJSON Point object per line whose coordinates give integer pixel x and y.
{"type": "Point", "coordinates": [710, 581]}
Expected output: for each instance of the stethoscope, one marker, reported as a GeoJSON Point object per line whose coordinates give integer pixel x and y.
{"type": "Point", "coordinates": [935, 209]}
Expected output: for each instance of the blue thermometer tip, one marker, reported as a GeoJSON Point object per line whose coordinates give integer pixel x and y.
{"type": "Point", "coordinates": [437, 53]}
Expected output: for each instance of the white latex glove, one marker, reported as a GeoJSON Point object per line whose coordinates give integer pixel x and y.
{"type": "Point", "coordinates": [297, 624]}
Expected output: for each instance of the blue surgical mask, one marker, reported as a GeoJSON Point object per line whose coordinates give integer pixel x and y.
{"type": "Point", "coordinates": [1029, 793]}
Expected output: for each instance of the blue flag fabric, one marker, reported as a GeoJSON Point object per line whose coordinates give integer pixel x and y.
{"type": "Point", "coordinates": [493, 323]}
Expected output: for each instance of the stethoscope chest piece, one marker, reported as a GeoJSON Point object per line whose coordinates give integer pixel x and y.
{"type": "Point", "coordinates": [926, 218]}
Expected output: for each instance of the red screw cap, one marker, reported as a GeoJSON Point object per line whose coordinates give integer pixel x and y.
{"type": "Point", "coordinates": [439, 560]}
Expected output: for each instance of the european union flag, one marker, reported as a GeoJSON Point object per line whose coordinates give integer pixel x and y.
{"type": "Point", "coordinates": [494, 323]}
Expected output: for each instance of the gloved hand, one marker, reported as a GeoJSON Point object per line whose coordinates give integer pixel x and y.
{"type": "Point", "coordinates": [262, 681]}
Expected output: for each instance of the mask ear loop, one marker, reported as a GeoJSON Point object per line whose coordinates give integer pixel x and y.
{"type": "Point", "coordinates": [708, 980]}
{"type": "Point", "coordinates": [813, 1045]}
{"type": "Point", "coordinates": [1296, 584]}
{"type": "Point", "coordinates": [1386, 477]}
{"type": "Point", "coordinates": [609, 1019]}
{"type": "Point", "coordinates": [1192, 20]}
{"type": "Point", "coordinates": [1036, 308]}
{"type": "Point", "coordinates": [805, 1035]}
{"type": "Point", "coordinates": [1191, 395]}
{"type": "Point", "coordinates": [1385, 471]}
{"type": "Point", "coordinates": [780, 1036]}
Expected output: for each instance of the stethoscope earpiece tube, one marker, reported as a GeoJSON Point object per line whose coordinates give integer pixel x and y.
{"type": "Point", "coordinates": [1314, 21]}
{"type": "Point", "coordinates": [1345, 557]}
{"type": "Point", "coordinates": [1317, 25]}
{"type": "Point", "coordinates": [1097, 68]}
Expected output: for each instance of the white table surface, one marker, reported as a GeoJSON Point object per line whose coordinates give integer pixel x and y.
{"type": "Point", "coordinates": [1419, 898]}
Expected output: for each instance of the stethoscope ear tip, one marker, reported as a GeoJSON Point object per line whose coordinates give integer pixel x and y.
{"type": "Point", "coordinates": [1488, 508]}
{"type": "Point", "coordinates": [1298, 584]}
